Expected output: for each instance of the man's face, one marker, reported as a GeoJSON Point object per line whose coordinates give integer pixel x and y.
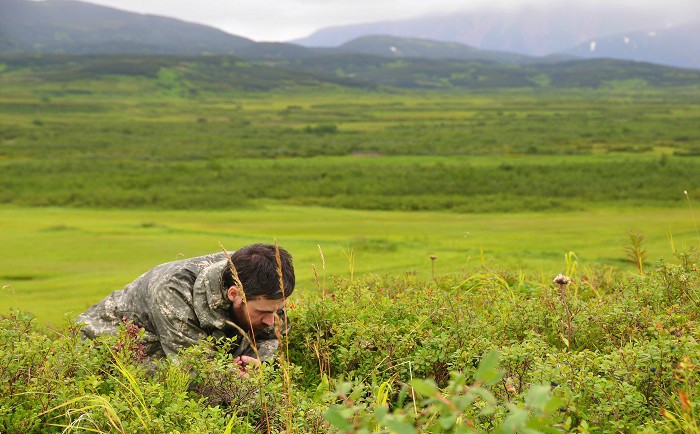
{"type": "Point", "coordinates": [258, 313]}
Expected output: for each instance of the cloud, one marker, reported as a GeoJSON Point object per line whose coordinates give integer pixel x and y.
{"type": "Point", "coordinates": [279, 20]}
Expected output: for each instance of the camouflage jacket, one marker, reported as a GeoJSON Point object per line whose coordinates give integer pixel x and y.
{"type": "Point", "coordinates": [177, 304]}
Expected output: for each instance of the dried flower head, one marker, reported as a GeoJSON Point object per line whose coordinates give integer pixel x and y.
{"type": "Point", "coordinates": [562, 280]}
{"type": "Point", "coordinates": [433, 257]}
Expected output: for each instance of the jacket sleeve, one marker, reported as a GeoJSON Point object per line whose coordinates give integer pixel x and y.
{"type": "Point", "coordinates": [172, 314]}
{"type": "Point", "coordinates": [267, 349]}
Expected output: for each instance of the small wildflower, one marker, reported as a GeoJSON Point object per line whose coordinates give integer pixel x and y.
{"type": "Point", "coordinates": [562, 280]}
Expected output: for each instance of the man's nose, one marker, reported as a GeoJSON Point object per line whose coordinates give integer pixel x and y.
{"type": "Point", "coordinates": [268, 319]}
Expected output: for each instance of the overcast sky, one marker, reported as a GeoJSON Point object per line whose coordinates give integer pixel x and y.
{"type": "Point", "coordinates": [283, 20]}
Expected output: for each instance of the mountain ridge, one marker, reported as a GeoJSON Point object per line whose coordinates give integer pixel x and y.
{"type": "Point", "coordinates": [76, 27]}
{"type": "Point", "coordinates": [397, 47]}
{"type": "Point", "coordinates": [529, 30]}
{"type": "Point", "coordinates": [678, 46]}
{"type": "Point", "coordinates": [194, 76]}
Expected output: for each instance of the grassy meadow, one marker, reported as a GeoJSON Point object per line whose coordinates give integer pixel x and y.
{"type": "Point", "coordinates": [104, 177]}
{"type": "Point", "coordinates": [108, 170]}
{"type": "Point", "coordinates": [498, 152]}
{"type": "Point", "coordinates": [59, 260]}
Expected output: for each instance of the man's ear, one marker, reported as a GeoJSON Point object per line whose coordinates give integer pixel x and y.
{"type": "Point", "coordinates": [234, 294]}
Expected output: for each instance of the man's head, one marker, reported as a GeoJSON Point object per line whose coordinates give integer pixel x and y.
{"type": "Point", "coordinates": [257, 270]}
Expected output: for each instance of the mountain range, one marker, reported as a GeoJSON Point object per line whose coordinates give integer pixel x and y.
{"type": "Point", "coordinates": [525, 36]}
{"type": "Point", "coordinates": [530, 30]}
{"type": "Point", "coordinates": [557, 29]}
{"type": "Point", "coordinates": [676, 46]}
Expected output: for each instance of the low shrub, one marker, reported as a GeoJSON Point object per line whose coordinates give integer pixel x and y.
{"type": "Point", "coordinates": [483, 350]}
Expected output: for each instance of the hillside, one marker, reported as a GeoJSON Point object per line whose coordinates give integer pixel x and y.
{"type": "Point", "coordinates": [676, 46]}
{"type": "Point", "coordinates": [75, 27]}
{"type": "Point", "coordinates": [280, 51]}
{"type": "Point", "coordinates": [444, 73]}
{"type": "Point", "coordinates": [187, 75]}
{"type": "Point", "coordinates": [393, 46]}
{"type": "Point", "coordinates": [181, 75]}
{"type": "Point", "coordinates": [491, 36]}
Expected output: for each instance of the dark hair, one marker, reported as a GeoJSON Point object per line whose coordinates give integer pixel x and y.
{"type": "Point", "coordinates": [256, 266]}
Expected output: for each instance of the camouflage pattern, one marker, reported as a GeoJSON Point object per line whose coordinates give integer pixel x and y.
{"type": "Point", "coordinates": [177, 304]}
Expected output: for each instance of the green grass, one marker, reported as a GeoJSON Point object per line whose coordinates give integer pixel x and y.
{"type": "Point", "coordinates": [102, 178]}
{"type": "Point", "coordinates": [463, 184]}
{"type": "Point", "coordinates": [63, 260]}
{"type": "Point", "coordinates": [141, 173]}
{"type": "Point", "coordinates": [503, 151]}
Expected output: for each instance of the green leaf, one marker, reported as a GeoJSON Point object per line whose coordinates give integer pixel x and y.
{"type": "Point", "coordinates": [566, 341]}
{"type": "Point", "coordinates": [515, 421]}
{"type": "Point", "coordinates": [554, 404]}
{"type": "Point", "coordinates": [462, 429]}
{"type": "Point", "coordinates": [426, 388]}
{"type": "Point", "coordinates": [402, 396]}
{"type": "Point", "coordinates": [537, 397]}
{"type": "Point", "coordinates": [448, 421]}
{"type": "Point", "coordinates": [462, 402]}
{"type": "Point", "coordinates": [321, 390]}
{"type": "Point", "coordinates": [357, 392]}
{"type": "Point", "coordinates": [398, 426]}
{"type": "Point", "coordinates": [488, 372]}
{"type": "Point", "coordinates": [335, 418]}
{"type": "Point", "coordinates": [380, 412]}
{"type": "Point", "coordinates": [486, 395]}
{"type": "Point", "coordinates": [344, 388]}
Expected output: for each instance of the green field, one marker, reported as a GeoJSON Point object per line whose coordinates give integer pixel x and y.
{"type": "Point", "coordinates": [519, 175]}
{"type": "Point", "coordinates": [58, 260]}
{"type": "Point", "coordinates": [111, 165]}
{"type": "Point", "coordinates": [106, 175]}
{"type": "Point", "coordinates": [416, 151]}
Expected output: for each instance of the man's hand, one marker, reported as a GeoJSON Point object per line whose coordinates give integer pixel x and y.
{"type": "Point", "coordinates": [246, 364]}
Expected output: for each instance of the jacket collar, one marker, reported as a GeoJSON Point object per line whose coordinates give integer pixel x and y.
{"type": "Point", "coordinates": [211, 305]}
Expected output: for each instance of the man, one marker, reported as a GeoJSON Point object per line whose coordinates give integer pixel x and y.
{"type": "Point", "coordinates": [181, 302]}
